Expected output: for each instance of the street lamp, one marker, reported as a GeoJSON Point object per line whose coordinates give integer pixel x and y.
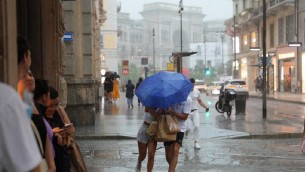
{"type": "Point", "coordinates": [154, 62]}
{"type": "Point", "coordinates": [179, 60]}
{"type": "Point", "coordinates": [222, 36]}
{"type": "Point", "coordinates": [264, 59]}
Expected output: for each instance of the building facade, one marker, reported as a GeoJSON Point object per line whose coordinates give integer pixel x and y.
{"type": "Point", "coordinates": [42, 23]}
{"type": "Point", "coordinates": [83, 62]}
{"type": "Point", "coordinates": [109, 36]}
{"type": "Point", "coordinates": [283, 26]}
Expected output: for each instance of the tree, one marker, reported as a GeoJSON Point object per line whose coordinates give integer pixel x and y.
{"type": "Point", "coordinates": [134, 73]}
{"type": "Point", "coordinates": [198, 71]}
{"type": "Point", "coordinates": [229, 67]}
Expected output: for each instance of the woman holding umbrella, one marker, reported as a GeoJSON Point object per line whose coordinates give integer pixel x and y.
{"type": "Point", "coordinates": [169, 90]}
{"type": "Point", "coordinates": [145, 141]}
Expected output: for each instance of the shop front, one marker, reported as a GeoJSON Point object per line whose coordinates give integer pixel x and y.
{"type": "Point", "coordinates": [286, 70]}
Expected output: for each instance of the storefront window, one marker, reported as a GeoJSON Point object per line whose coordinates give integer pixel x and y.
{"type": "Point", "coordinates": [287, 75]}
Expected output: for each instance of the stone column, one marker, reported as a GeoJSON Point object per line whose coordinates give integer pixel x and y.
{"type": "Point", "coordinates": [8, 44]}
{"type": "Point", "coordinates": [81, 85]}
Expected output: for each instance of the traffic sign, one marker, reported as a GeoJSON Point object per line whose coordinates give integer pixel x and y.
{"type": "Point", "coordinates": [68, 36]}
{"type": "Point", "coordinates": [125, 71]}
{"type": "Point", "coordinates": [125, 63]}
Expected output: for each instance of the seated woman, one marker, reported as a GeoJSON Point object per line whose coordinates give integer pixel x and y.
{"type": "Point", "coordinates": [61, 125]}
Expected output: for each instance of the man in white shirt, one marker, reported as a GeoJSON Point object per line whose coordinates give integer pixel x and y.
{"type": "Point", "coordinates": [193, 121]}
{"type": "Point", "coordinates": [18, 148]}
{"type": "Point", "coordinates": [181, 111]}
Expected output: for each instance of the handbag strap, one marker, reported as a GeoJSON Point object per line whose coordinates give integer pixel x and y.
{"type": "Point", "coordinates": [37, 135]}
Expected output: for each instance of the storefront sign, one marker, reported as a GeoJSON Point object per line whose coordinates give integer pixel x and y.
{"type": "Point", "coordinates": [286, 55]}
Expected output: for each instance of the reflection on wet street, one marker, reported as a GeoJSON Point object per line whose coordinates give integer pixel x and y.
{"type": "Point", "coordinates": [238, 155]}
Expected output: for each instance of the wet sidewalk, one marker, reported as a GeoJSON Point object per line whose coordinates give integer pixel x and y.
{"type": "Point", "coordinates": [116, 121]}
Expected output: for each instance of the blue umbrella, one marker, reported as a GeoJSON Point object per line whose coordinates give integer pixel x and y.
{"type": "Point", "coordinates": [164, 89]}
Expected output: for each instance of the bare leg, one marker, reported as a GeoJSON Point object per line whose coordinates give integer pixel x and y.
{"type": "Point", "coordinates": [142, 153]}
{"type": "Point", "coordinates": [175, 147]}
{"type": "Point", "coordinates": [152, 145]}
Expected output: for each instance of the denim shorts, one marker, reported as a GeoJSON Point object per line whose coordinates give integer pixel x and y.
{"type": "Point", "coordinates": [142, 135]}
{"type": "Point", "coordinates": [179, 139]}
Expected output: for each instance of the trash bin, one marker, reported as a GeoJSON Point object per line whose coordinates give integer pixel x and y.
{"type": "Point", "coordinates": [240, 104]}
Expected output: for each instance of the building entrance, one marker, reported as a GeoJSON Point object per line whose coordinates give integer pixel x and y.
{"type": "Point", "coordinates": [286, 75]}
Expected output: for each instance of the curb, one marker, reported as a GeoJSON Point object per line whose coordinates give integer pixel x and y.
{"type": "Point", "coordinates": [271, 136]}
{"type": "Point", "coordinates": [275, 99]}
{"type": "Point", "coordinates": [251, 136]}
{"type": "Point", "coordinates": [104, 137]}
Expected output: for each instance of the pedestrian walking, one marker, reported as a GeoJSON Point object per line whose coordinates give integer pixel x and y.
{"type": "Point", "coordinates": [260, 84]}
{"type": "Point", "coordinates": [146, 142]}
{"type": "Point", "coordinates": [193, 120]}
{"type": "Point", "coordinates": [257, 84]}
{"type": "Point", "coordinates": [130, 93]}
{"type": "Point", "coordinates": [137, 85]}
{"type": "Point", "coordinates": [116, 89]}
{"type": "Point", "coordinates": [181, 111]}
{"type": "Point", "coordinates": [108, 87]}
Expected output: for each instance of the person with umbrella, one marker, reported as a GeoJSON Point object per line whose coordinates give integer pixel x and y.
{"type": "Point", "coordinates": [181, 111]}
{"type": "Point", "coordinates": [193, 121]}
{"type": "Point", "coordinates": [169, 91]}
{"type": "Point", "coordinates": [146, 143]}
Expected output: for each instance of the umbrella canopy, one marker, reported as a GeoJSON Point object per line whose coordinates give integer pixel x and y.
{"type": "Point", "coordinates": [164, 89]}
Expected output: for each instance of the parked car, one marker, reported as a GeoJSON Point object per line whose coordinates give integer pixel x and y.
{"type": "Point", "coordinates": [200, 85]}
{"type": "Point", "coordinates": [214, 88]}
{"type": "Point", "coordinates": [239, 86]}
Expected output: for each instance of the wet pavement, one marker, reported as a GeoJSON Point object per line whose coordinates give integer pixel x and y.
{"type": "Point", "coordinates": [285, 116]}
{"type": "Point", "coordinates": [215, 155]}
{"type": "Point", "coordinates": [110, 145]}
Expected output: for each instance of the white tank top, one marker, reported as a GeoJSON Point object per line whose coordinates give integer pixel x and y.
{"type": "Point", "coordinates": [148, 117]}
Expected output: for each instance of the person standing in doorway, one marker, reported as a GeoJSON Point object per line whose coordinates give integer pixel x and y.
{"type": "Point", "coordinates": [137, 85]}
{"type": "Point", "coordinates": [193, 121]}
{"type": "Point", "coordinates": [130, 93]}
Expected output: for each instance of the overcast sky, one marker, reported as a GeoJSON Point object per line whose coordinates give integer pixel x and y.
{"type": "Point", "coordinates": [213, 9]}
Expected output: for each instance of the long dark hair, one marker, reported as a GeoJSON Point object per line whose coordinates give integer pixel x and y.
{"type": "Point", "coordinates": [23, 47]}
{"type": "Point", "coordinates": [53, 93]}
{"type": "Point", "coordinates": [41, 88]}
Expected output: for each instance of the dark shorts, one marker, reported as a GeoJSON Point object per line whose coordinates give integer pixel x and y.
{"type": "Point", "coordinates": [179, 139]}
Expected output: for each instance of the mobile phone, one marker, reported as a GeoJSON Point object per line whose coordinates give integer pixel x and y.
{"type": "Point", "coordinates": [67, 125]}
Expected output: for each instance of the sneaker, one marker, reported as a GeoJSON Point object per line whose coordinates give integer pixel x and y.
{"type": "Point", "coordinates": [197, 146]}
{"type": "Point", "coordinates": [138, 167]}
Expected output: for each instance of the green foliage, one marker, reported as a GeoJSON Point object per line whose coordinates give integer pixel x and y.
{"type": "Point", "coordinates": [198, 71]}
{"type": "Point", "coordinates": [134, 74]}
{"type": "Point", "coordinates": [229, 67]}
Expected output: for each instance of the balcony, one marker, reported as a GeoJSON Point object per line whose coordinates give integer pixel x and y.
{"type": "Point", "coordinates": [272, 7]}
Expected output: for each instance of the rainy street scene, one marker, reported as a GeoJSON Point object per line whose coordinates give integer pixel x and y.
{"type": "Point", "coordinates": [152, 85]}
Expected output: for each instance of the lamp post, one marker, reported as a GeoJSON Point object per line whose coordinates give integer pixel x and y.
{"type": "Point", "coordinates": [234, 46]}
{"type": "Point", "coordinates": [179, 59]}
{"type": "Point", "coordinates": [264, 60]}
{"type": "Point", "coordinates": [205, 52]}
{"type": "Point", "coordinates": [154, 62]}
{"type": "Point", "coordinates": [222, 36]}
